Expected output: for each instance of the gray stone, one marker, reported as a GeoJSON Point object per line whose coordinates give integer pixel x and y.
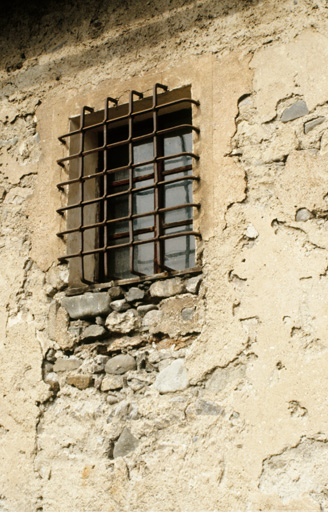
{"type": "Point", "coordinates": [303, 214]}
{"type": "Point", "coordinates": [120, 364]}
{"type": "Point", "coordinates": [298, 109]}
{"type": "Point", "coordinates": [66, 365]}
{"type": "Point", "coordinates": [172, 378]}
{"type": "Point", "coordinates": [119, 305]}
{"type": "Point", "coordinates": [93, 332]}
{"type": "Point", "coordinates": [125, 444]}
{"type": "Point", "coordinates": [100, 320]}
{"type": "Point", "coordinates": [192, 284]}
{"type": "Point", "coordinates": [167, 288]}
{"type": "Point", "coordinates": [123, 322]}
{"type": "Point", "coordinates": [145, 308]}
{"type": "Point", "coordinates": [151, 320]}
{"type": "Point", "coordinates": [115, 292]}
{"type": "Point", "coordinates": [112, 382]}
{"type": "Point", "coordinates": [207, 408]}
{"type": "Point", "coordinates": [187, 314]}
{"type": "Point", "coordinates": [309, 125]}
{"type": "Point", "coordinates": [87, 305]}
{"type": "Point", "coordinates": [134, 294]}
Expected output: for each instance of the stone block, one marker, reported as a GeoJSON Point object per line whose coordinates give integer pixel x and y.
{"type": "Point", "coordinates": [58, 327]}
{"type": "Point", "coordinates": [67, 365]}
{"type": "Point", "coordinates": [192, 284]}
{"type": "Point", "coordinates": [204, 407]}
{"type": "Point", "coordinates": [79, 381]}
{"type": "Point", "coordinates": [125, 342]}
{"type": "Point", "coordinates": [172, 378]}
{"type": "Point", "coordinates": [167, 288]}
{"type": "Point", "coordinates": [298, 109]}
{"type": "Point", "coordinates": [87, 305]}
{"type": "Point", "coordinates": [309, 125]}
{"type": "Point", "coordinates": [111, 382]}
{"type": "Point", "coordinates": [93, 332]}
{"type": "Point", "coordinates": [303, 214]}
{"type": "Point", "coordinates": [119, 305]}
{"type": "Point", "coordinates": [123, 322]}
{"type": "Point", "coordinates": [151, 321]}
{"type": "Point", "coordinates": [115, 292]}
{"type": "Point", "coordinates": [134, 294]}
{"type": "Point", "coordinates": [125, 444]}
{"type": "Point", "coordinates": [120, 364]}
{"type": "Point", "coordinates": [143, 309]}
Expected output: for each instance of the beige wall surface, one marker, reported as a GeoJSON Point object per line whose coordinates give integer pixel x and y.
{"type": "Point", "coordinates": [222, 402]}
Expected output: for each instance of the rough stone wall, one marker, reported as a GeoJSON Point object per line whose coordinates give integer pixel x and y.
{"type": "Point", "coordinates": [107, 403]}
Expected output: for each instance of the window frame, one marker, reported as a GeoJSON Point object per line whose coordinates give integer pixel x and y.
{"type": "Point", "coordinates": [143, 108]}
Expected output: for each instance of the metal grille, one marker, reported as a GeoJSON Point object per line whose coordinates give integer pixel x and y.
{"type": "Point", "coordinates": [109, 237]}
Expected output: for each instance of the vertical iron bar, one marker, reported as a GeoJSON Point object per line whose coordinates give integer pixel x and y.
{"type": "Point", "coordinates": [158, 253]}
{"type": "Point", "coordinates": [105, 185]}
{"type": "Point", "coordinates": [81, 173]}
{"type": "Point", "coordinates": [130, 195]}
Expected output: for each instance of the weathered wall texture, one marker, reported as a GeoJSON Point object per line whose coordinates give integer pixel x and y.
{"type": "Point", "coordinates": [208, 392]}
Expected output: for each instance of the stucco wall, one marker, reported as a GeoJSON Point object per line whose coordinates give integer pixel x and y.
{"type": "Point", "coordinates": [246, 427]}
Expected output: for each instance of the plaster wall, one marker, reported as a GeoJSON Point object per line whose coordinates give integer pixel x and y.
{"type": "Point", "coordinates": [246, 428]}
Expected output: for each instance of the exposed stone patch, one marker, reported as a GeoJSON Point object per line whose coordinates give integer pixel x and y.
{"type": "Point", "coordinates": [208, 408]}
{"type": "Point", "coordinates": [303, 214]}
{"type": "Point", "coordinates": [111, 383]}
{"type": "Point", "coordinates": [173, 378]}
{"type": "Point", "coordinates": [125, 444]}
{"type": "Point", "coordinates": [79, 381]}
{"type": "Point", "coordinates": [93, 332]}
{"type": "Point", "coordinates": [166, 288]}
{"type": "Point", "coordinates": [134, 294]}
{"type": "Point", "coordinates": [298, 109]}
{"type": "Point", "coordinates": [63, 365]}
{"type": "Point", "coordinates": [123, 322]}
{"type": "Point", "coordinates": [120, 364]}
{"type": "Point", "coordinates": [298, 470]}
{"type": "Point", "coordinates": [87, 305]}
{"type": "Point", "coordinates": [309, 125]}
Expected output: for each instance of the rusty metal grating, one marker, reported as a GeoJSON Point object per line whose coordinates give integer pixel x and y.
{"type": "Point", "coordinates": [142, 166]}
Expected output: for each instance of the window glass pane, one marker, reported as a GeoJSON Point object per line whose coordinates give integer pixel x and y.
{"type": "Point", "coordinates": [179, 251]}
{"type": "Point", "coordinates": [144, 257]}
{"type": "Point", "coordinates": [143, 201]}
{"type": "Point", "coordinates": [143, 152]}
{"type": "Point", "coordinates": [118, 262]}
{"type": "Point", "coordinates": [118, 206]}
{"type": "Point", "coordinates": [143, 223]}
{"type": "Point", "coordinates": [177, 143]}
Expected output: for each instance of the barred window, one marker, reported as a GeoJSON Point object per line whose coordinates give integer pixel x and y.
{"type": "Point", "coordinates": [129, 190]}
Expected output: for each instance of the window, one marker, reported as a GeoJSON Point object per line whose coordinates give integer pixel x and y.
{"type": "Point", "coordinates": [130, 202]}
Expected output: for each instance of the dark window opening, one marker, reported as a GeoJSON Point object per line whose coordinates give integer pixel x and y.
{"type": "Point", "coordinates": [136, 219]}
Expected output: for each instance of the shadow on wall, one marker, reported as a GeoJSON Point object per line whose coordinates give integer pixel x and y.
{"type": "Point", "coordinates": [50, 25]}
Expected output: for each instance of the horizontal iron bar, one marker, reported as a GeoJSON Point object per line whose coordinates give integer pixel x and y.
{"type": "Point", "coordinates": [130, 114]}
{"type": "Point", "coordinates": [129, 244]}
{"type": "Point", "coordinates": [121, 219]}
{"type": "Point", "coordinates": [124, 142]}
{"type": "Point", "coordinates": [125, 192]}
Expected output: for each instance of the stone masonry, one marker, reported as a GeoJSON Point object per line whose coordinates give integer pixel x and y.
{"type": "Point", "coordinates": [203, 391]}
